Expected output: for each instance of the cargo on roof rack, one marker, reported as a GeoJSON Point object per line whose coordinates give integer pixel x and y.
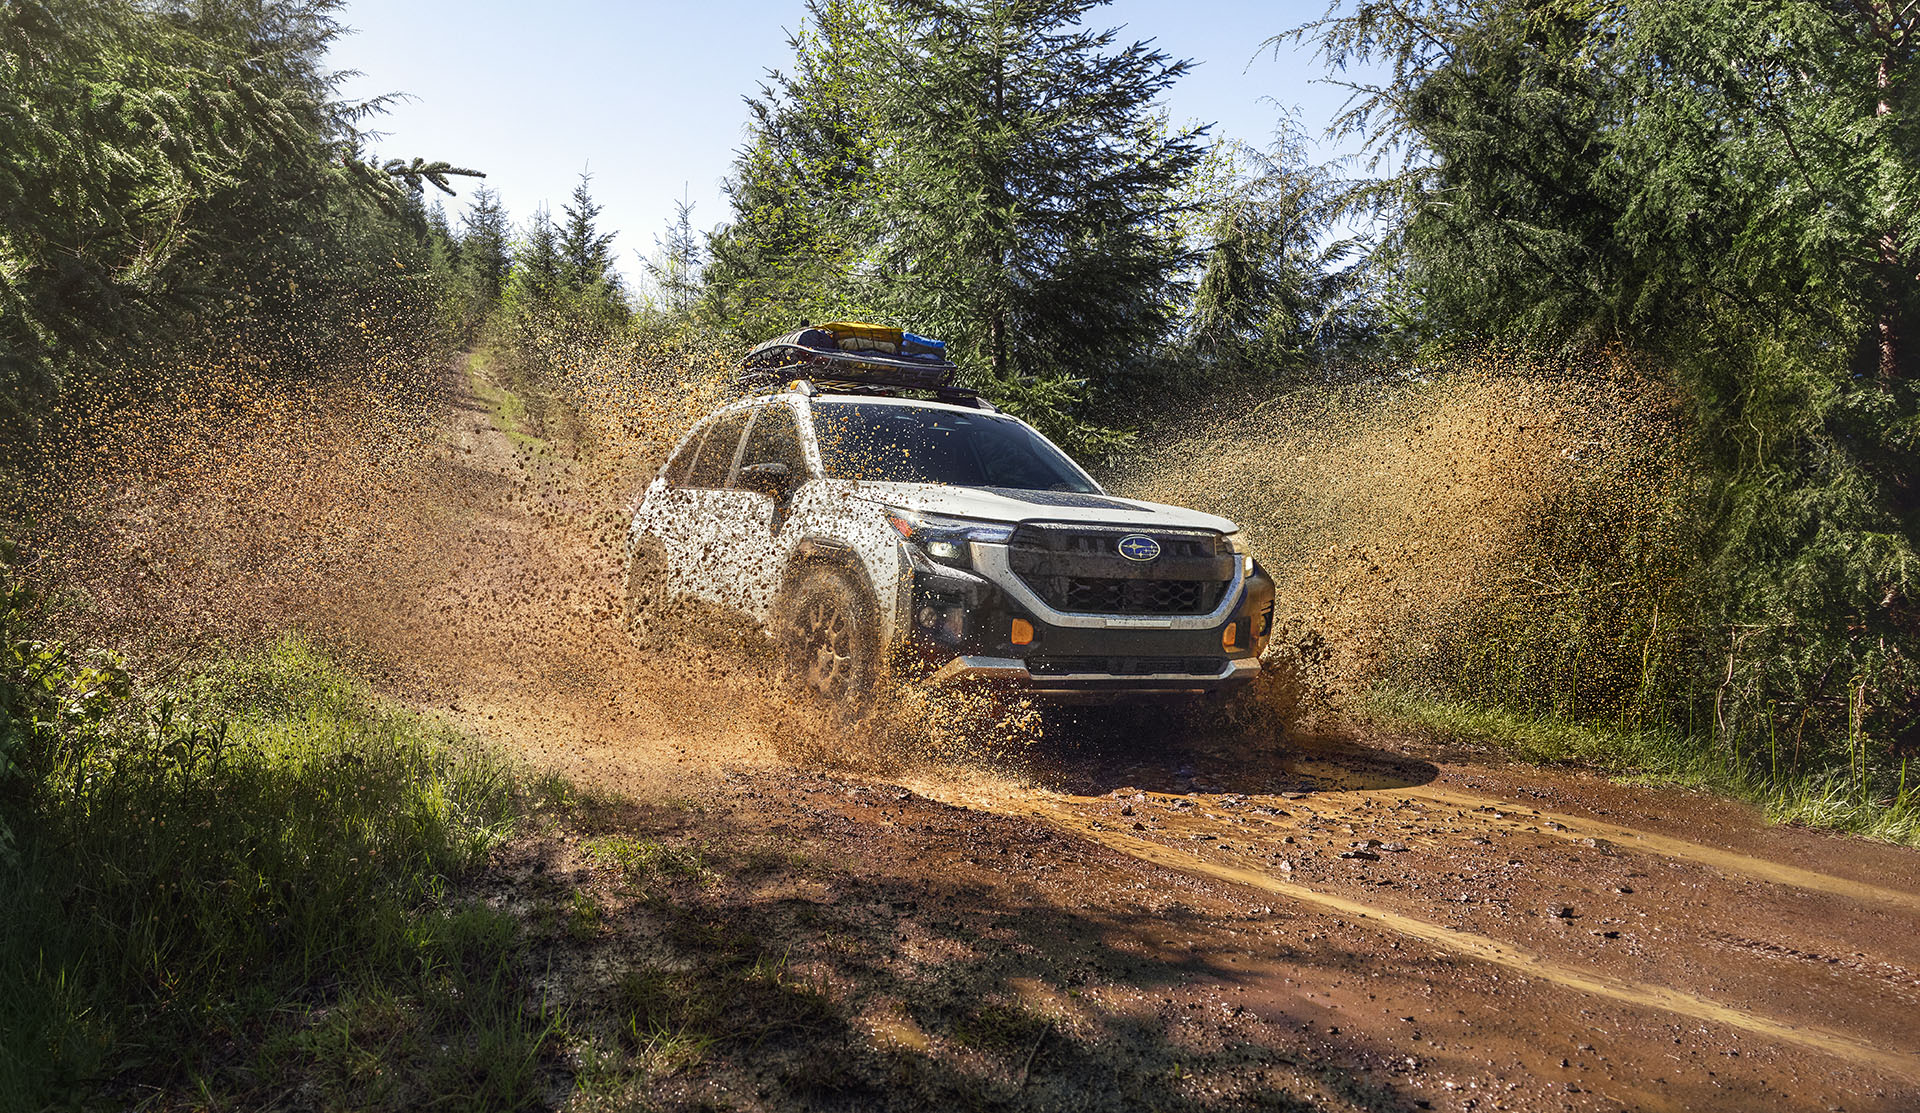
{"type": "Point", "coordinates": [850, 354]}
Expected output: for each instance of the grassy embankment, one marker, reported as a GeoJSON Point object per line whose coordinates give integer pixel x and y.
{"type": "Point", "coordinates": [244, 887]}
{"type": "Point", "coordinates": [265, 886]}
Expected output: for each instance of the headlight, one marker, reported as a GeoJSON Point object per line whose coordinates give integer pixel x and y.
{"type": "Point", "coordinates": [1237, 541]}
{"type": "Point", "coordinates": [946, 539]}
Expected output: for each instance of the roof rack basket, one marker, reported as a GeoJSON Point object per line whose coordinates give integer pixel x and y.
{"type": "Point", "coordinates": [801, 355]}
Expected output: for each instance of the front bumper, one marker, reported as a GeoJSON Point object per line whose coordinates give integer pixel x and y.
{"type": "Point", "coordinates": [960, 625]}
{"type": "Point", "coordinates": [1234, 672]}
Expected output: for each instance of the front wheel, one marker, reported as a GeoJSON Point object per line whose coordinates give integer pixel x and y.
{"type": "Point", "coordinates": [829, 647]}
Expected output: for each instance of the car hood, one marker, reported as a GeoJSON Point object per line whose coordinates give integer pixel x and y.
{"type": "Point", "coordinates": [1005, 504]}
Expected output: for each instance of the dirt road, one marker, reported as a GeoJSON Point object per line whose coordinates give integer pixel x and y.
{"type": "Point", "coordinates": [1228, 920]}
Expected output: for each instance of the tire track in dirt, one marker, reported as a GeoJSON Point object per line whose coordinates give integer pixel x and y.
{"type": "Point", "coordinates": [1608, 837]}
{"type": "Point", "coordinates": [1077, 815]}
{"type": "Point", "coordinates": [1488, 949]}
{"type": "Point", "coordinates": [1504, 813]}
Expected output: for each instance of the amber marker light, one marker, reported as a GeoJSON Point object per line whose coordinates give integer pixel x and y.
{"type": "Point", "coordinates": [1022, 632]}
{"type": "Point", "coordinates": [1230, 637]}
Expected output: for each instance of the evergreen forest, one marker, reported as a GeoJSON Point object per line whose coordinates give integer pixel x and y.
{"type": "Point", "coordinates": [1710, 195]}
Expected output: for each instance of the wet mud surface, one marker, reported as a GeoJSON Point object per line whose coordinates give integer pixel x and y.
{"type": "Point", "coordinates": [1127, 911]}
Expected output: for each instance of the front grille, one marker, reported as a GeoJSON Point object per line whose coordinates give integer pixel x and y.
{"type": "Point", "coordinates": [1079, 570]}
{"type": "Point", "coordinates": [1091, 596]}
{"type": "Point", "coordinates": [1125, 666]}
{"type": "Point", "coordinates": [1101, 543]}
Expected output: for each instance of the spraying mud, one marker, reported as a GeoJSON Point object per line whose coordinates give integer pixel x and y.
{"type": "Point", "coordinates": [1410, 520]}
{"type": "Point", "coordinates": [1251, 909]}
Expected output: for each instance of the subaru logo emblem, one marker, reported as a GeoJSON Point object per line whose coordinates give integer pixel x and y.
{"type": "Point", "coordinates": [1138, 547]}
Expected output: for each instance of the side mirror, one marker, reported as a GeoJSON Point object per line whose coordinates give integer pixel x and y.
{"type": "Point", "coordinates": [772, 480]}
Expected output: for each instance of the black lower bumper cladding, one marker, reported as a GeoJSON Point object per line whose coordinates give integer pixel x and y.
{"type": "Point", "coordinates": [961, 627]}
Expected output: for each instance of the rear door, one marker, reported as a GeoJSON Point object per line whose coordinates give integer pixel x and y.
{"type": "Point", "coordinates": [697, 546]}
{"type": "Point", "coordinates": [667, 507]}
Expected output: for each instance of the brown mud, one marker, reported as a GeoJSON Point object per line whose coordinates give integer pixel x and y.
{"type": "Point", "coordinates": [1254, 917]}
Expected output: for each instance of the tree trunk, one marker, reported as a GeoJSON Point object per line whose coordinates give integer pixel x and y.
{"type": "Point", "coordinates": [1887, 326]}
{"type": "Point", "coordinates": [997, 197]}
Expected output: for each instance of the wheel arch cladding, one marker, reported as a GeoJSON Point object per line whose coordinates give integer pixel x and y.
{"type": "Point", "coordinates": [814, 551]}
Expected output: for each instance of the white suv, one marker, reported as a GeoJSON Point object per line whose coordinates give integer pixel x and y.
{"type": "Point", "coordinates": [864, 529]}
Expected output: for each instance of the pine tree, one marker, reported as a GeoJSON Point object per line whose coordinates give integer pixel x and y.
{"type": "Point", "coordinates": [676, 269]}
{"type": "Point", "coordinates": [442, 245]}
{"type": "Point", "coordinates": [800, 187]}
{"type": "Point", "coordinates": [537, 271]}
{"type": "Point", "coordinates": [1275, 290]}
{"type": "Point", "coordinates": [587, 277]}
{"type": "Point", "coordinates": [175, 173]}
{"type": "Point", "coordinates": [586, 254]}
{"type": "Point", "coordinates": [484, 248]}
{"type": "Point", "coordinates": [987, 170]}
{"type": "Point", "coordinates": [1026, 197]}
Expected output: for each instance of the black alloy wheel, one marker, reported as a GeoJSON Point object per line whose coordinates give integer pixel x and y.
{"type": "Point", "coordinates": [828, 642]}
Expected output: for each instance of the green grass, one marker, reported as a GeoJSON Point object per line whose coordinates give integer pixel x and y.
{"type": "Point", "coordinates": [640, 861]}
{"type": "Point", "coordinates": [508, 409]}
{"type": "Point", "coordinates": [241, 890]}
{"type": "Point", "coordinates": [1828, 791]}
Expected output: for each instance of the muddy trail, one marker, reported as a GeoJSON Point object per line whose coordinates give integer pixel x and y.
{"type": "Point", "coordinates": [1207, 918]}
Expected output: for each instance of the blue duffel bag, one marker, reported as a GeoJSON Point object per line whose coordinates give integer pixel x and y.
{"type": "Point", "coordinates": [921, 348]}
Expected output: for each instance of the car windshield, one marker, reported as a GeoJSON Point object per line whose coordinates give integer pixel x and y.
{"type": "Point", "coordinates": [914, 444]}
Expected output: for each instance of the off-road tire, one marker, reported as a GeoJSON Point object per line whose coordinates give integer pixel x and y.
{"type": "Point", "coordinates": [644, 595]}
{"type": "Point", "coordinates": [828, 643]}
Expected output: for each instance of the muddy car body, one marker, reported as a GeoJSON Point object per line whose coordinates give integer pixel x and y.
{"type": "Point", "coordinates": [865, 529]}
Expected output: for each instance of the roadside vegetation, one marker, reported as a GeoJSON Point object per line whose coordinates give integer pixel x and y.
{"type": "Point", "coordinates": [1719, 200]}
{"type": "Point", "coordinates": [244, 883]}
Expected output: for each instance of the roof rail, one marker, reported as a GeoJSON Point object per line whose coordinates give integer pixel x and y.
{"type": "Point", "coordinates": [951, 395]}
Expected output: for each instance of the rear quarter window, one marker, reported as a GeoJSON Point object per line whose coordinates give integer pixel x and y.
{"type": "Point", "coordinates": [775, 439]}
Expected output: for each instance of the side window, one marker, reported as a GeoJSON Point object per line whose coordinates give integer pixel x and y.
{"type": "Point", "coordinates": [775, 439]}
{"type": "Point", "coordinates": [716, 453]}
{"type": "Point", "coordinates": [682, 461]}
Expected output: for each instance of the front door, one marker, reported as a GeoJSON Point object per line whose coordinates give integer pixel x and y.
{"type": "Point", "coordinates": [761, 511]}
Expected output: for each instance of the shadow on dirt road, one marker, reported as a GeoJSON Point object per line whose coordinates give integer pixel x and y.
{"type": "Point", "coordinates": [1090, 753]}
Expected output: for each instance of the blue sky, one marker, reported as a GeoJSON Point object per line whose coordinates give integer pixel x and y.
{"type": "Point", "coordinates": [647, 95]}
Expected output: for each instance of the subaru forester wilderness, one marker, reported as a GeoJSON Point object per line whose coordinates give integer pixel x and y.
{"type": "Point", "coordinates": [868, 515]}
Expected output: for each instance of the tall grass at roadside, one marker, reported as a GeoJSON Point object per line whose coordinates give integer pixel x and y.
{"type": "Point", "coordinates": [240, 887]}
